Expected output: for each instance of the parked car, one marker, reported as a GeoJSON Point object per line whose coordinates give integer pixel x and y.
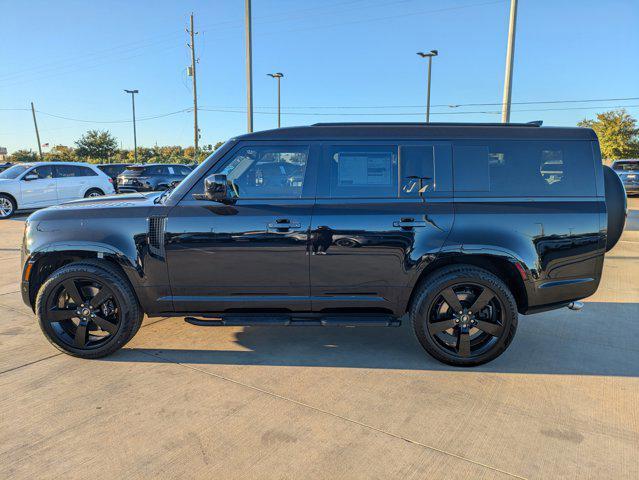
{"type": "Point", "coordinates": [4, 166]}
{"type": "Point", "coordinates": [26, 186]}
{"type": "Point", "coordinates": [458, 228]}
{"type": "Point", "coordinates": [628, 171]}
{"type": "Point", "coordinates": [113, 170]}
{"type": "Point", "coordinates": [151, 177]}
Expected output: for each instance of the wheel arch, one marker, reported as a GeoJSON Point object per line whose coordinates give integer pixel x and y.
{"type": "Point", "coordinates": [505, 268]}
{"type": "Point", "coordinates": [47, 261]}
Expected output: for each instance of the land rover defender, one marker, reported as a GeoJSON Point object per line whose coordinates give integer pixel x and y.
{"type": "Point", "coordinates": [456, 228]}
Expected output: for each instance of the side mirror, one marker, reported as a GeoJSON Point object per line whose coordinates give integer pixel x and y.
{"type": "Point", "coordinates": [30, 176]}
{"type": "Point", "coordinates": [218, 189]}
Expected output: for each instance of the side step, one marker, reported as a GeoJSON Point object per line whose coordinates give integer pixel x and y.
{"type": "Point", "coordinates": [243, 320]}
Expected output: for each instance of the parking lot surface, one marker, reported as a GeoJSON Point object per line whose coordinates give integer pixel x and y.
{"type": "Point", "coordinates": [312, 402]}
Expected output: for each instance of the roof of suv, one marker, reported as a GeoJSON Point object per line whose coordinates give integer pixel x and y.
{"type": "Point", "coordinates": [37, 164]}
{"type": "Point", "coordinates": [418, 131]}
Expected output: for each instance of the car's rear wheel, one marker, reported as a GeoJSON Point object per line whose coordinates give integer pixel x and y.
{"type": "Point", "coordinates": [93, 192]}
{"type": "Point", "coordinates": [464, 316]}
{"type": "Point", "coordinates": [87, 311]}
{"type": "Point", "coordinates": [7, 206]}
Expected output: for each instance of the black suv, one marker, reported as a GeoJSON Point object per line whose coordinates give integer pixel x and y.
{"type": "Point", "coordinates": [455, 227]}
{"type": "Point", "coordinates": [151, 177]}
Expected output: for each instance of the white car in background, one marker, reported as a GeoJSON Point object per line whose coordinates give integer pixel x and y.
{"type": "Point", "coordinates": [26, 186]}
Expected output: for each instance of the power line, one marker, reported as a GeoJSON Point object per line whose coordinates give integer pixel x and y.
{"type": "Point", "coordinates": [141, 119]}
{"type": "Point", "coordinates": [339, 114]}
{"type": "Point", "coordinates": [274, 112]}
{"type": "Point", "coordinates": [453, 105]}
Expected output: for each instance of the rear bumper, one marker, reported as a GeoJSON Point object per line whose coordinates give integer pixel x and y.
{"type": "Point", "coordinates": [631, 187]}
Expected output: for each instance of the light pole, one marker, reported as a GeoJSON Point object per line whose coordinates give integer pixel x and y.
{"type": "Point", "coordinates": [510, 53]}
{"type": "Point", "coordinates": [249, 66]}
{"type": "Point", "coordinates": [135, 139]}
{"type": "Point", "coordinates": [430, 55]}
{"type": "Point", "coordinates": [278, 76]}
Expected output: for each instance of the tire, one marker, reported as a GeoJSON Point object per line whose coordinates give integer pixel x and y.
{"type": "Point", "coordinates": [7, 206]}
{"type": "Point", "coordinates": [465, 342]}
{"type": "Point", "coordinates": [616, 206]}
{"type": "Point", "coordinates": [93, 192]}
{"type": "Point", "coordinates": [72, 335]}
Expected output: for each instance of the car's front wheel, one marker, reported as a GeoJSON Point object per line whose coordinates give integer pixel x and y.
{"type": "Point", "coordinates": [87, 311]}
{"type": "Point", "coordinates": [464, 316]}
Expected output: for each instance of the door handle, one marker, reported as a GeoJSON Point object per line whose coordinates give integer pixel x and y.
{"type": "Point", "coordinates": [408, 223]}
{"type": "Point", "coordinates": [283, 224]}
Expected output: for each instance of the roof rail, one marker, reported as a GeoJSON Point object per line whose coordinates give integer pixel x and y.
{"type": "Point", "coordinates": [536, 123]}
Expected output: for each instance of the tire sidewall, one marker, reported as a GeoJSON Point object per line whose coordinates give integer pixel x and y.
{"type": "Point", "coordinates": [429, 294]}
{"type": "Point", "coordinates": [127, 321]}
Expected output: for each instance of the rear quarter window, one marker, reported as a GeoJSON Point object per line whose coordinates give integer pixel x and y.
{"type": "Point", "coordinates": [519, 168]}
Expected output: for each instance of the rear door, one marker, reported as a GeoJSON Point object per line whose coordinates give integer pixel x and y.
{"type": "Point", "coordinates": [252, 255]}
{"type": "Point", "coordinates": [73, 181]}
{"type": "Point", "coordinates": [39, 192]}
{"type": "Point", "coordinates": [383, 212]}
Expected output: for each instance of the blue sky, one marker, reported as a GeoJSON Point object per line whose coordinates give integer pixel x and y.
{"type": "Point", "coordinates": [73, 58]}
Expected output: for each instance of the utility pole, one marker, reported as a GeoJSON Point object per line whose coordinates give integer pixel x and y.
{"type": "Point", "coordinates": [196, 131]}
{"type": "Point", "coordinates": [510, 53]}
{"type": "Point", "coordinates": [135, 136]}
{"type": "Point", "coordinates": [278, 76]}
{"type": "Point", "coordinates": [35, 124]}
{"type": "Point", "coordinates": [249, 66]}
{"type": "Point", "coordinates": [430, 55]}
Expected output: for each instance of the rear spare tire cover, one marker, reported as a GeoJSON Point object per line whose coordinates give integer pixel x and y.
{"type": "Point", "coordinates": [616, 205]}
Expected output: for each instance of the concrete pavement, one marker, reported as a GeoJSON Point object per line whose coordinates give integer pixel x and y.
{"type": "Point", "coordinates": [224, 402]}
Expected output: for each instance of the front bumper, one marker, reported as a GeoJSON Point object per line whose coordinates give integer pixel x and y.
{"type": "Point", "coordinates": [25, 289]}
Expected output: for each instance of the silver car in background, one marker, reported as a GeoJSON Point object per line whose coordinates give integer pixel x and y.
{"type": "Point", "coordinates": [628, 171]}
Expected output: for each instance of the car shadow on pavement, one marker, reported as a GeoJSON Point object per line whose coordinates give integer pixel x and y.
{"type": "Point", "coordinates": [601, 340]}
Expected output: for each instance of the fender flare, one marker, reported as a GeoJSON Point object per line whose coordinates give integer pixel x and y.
{"type": "Point", "coordinates": [129, 264]}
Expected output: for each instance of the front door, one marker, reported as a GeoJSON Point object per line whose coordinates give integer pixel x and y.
{"type": "Point", "coordinates": [38, 187]}
{"type": "Point", "coordinates": [383, 212]}
{"type": "Point", "coordinates": [252, 255]}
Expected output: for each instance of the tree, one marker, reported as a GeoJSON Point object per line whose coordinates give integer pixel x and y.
{"type": "Point", "coordinates": [96, 144]}
{"type": "Point", "coordinates": [61, 153]}
{"type": "Point", "coordinates": [23, 156]}
{"type": "Point", "coordinates": [618, 134]}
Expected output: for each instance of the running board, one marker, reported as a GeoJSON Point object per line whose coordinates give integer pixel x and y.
{"type": "Point", "coordinates": [297, 320]}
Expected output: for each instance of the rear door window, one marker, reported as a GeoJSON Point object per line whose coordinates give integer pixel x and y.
{"type": "Point", "coordinates": [68, 171]}
{"type": "Point", "coordinates": [362, 171]}
{"type": "Point", "coordinates": [524, 168]}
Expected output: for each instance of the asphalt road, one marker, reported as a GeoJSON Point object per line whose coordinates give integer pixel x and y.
{"type": "Point", "coordinates": [307, 402]}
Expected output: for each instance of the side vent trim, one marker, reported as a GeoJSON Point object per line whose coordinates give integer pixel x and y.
{"type": "Point", "coordinates": [157, 228]}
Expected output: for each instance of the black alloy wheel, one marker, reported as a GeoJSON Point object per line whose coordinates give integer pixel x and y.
{"type": "Point", "coordinates": [464, 316]}
{"type": "Point", "coordinates": [87, 309]}
{"type": "Point", "coordinates": [466, 319]}
{"type": "Point", "coordinates": [83, 313]}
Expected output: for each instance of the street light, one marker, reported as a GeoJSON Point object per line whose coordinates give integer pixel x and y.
{"type": "Point", "coordinates": [278, 76]}
{"type": "Point", "coordinates": [135, 139]}
{"type": "Point", "coordinates": [430, 55]}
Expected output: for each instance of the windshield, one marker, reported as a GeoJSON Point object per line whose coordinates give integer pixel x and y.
{"type": "Point", "coordinates": [14, 172]}
{"type": "Point", "coordinates": [626, 165]}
